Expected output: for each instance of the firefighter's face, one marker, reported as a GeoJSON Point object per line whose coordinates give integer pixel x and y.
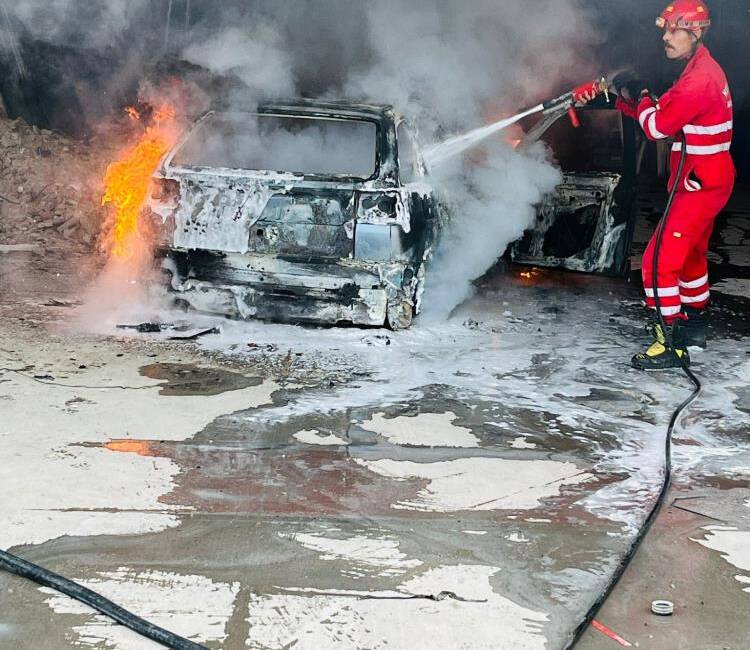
{"type": "Point", "coordinates": [679, 43]}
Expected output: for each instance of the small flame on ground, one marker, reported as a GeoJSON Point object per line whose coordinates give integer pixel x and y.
{"type": "Point", "coordinates": [533, 275]}
{"type": "Point", "coordinates": [140, 447]}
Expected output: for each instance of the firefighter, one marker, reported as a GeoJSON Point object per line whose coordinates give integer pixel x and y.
{"type": "Point", "coordinates": [697, 113]}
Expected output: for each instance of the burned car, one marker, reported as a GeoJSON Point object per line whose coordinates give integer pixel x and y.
{"type": "Point", "coordinates": [587, 224]}
{"type": "Point", "coordinates": [302, 211]}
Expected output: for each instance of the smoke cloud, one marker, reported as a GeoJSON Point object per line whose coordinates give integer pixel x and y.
{"type": "Point", "coordinates": [450, 62]}
{"type": "Point", "coordinates": [448, 65]}
{"type": "Point", "coordinates": [454, 66]}
{"type": "Point", "coordinates": [94, 24]}
{"type": "Point", "coordinates": [256, 56]}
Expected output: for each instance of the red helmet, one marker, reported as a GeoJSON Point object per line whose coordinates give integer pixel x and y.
{"type": "Point", "coordinates": [692, 15]}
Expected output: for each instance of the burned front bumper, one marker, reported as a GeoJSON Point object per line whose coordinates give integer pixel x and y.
{"type": "Point", "coordinates": [287, 290]}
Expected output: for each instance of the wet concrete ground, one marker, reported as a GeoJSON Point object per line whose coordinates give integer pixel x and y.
{"type": "Point", "coordinates": [708, 508]}
{"type": "Point", "coordinates": [464, 485]}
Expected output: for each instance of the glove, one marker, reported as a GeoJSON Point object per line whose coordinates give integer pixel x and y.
{"type": "Point", "coordinates": [628, 85]}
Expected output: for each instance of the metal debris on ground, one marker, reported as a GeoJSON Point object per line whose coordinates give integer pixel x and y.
{"type": "Point", "coordinates": [196, 335]}
{"type": "Point", "coordinates": [57, 302]}
{"type": "Point", "coordinates": [146, 328]}
{"type": "Point", "coordinates": [267, 348]}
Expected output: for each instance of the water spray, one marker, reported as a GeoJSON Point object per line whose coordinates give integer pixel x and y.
{"type": "Point", "coordinates": [435, 155]}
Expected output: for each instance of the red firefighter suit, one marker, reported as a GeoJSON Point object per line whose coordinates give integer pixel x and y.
{"type": "Point", "coordinates": [699, 106]}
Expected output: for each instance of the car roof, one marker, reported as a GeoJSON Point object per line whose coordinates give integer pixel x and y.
{"type": "Point", "coordinates": [328, 108]}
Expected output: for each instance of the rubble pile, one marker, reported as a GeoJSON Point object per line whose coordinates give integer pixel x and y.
{"type": "Point", "coordinates": [50, 188]}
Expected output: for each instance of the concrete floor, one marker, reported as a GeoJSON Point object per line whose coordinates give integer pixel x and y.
{"type": "Point", "coordinates": [276, 486]}
{"type": "Point", "coordinates": [710, 610]}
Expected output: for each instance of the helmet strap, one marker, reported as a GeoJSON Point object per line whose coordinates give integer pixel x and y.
{"type": "Point", "coordinates": [697, 40]}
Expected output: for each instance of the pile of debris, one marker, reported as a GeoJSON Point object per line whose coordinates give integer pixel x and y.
{"type": "Point", "coordinates": [50, 188]}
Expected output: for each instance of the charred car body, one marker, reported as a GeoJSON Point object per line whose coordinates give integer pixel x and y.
{"type": "Point", "coordinates": [302, 211]}
{"type": "Point", "coordinates": [587, 224]}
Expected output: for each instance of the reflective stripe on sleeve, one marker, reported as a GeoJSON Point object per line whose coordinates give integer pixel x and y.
{"type": "Point", "coordinates": [645, 115]}
{"type": "Point", "coordinates": [647, 120]}
{"type": "Point", "coordinates": [652, 127]}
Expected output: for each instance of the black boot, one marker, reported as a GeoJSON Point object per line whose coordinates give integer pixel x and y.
{"type": "Point", "coordinates": [667, 351]}
{"type": "Point", "coordinates": [695, 327]}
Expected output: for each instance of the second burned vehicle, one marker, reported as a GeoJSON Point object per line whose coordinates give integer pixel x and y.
{"type": "Point", "coordinates": [587, 223]}
{"type": "Point", "coordinates": [303, 211]}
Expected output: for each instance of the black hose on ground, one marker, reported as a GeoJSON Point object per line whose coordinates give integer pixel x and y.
{"type": "Point", "coordinates": [46, 578]}
{"type": "Point", "coordinates": [591, 614]}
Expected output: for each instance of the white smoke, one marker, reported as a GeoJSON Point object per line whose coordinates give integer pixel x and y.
{"type": "Point", "coordinates": [309, 146]}
{"type": "Point", "coordinates": [493, 203]}
{"type": "Point", "coordinates": [257, 56]}
{"type": "Point", "coordinates": [451, 62]}
{"type": "Point", "coordinates": [454, 66]}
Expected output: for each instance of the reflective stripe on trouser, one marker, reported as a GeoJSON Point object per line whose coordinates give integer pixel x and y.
{"type": "Point", "coordinates": [695, 293]}
{"type": "Point", "coordinates": [682, 256]}
{"type": "Point", "coordinates": [669, 300]}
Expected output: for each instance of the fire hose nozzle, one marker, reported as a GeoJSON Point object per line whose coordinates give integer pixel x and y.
{"type": "Point", "coordinates": [587, 91]}
{"type": "Point", "coordinates": [583, 94]}
{"type": "Point", "coordinates": [580, 94]}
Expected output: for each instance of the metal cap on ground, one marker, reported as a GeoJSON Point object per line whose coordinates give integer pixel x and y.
{"type": "Point", "coordinates": [662, 607]}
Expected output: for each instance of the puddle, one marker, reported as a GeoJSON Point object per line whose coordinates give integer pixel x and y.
{"type": "Point", "coordinates": [239, 479]}
{"type": "Point", "coordinates": [186, 379]}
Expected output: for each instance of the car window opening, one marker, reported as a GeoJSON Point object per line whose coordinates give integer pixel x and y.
{"type": "Point", "coordinates": [300, 145]}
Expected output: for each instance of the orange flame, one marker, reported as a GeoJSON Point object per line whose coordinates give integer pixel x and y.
{"type": "Point", "coordinates": [127, 181]}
